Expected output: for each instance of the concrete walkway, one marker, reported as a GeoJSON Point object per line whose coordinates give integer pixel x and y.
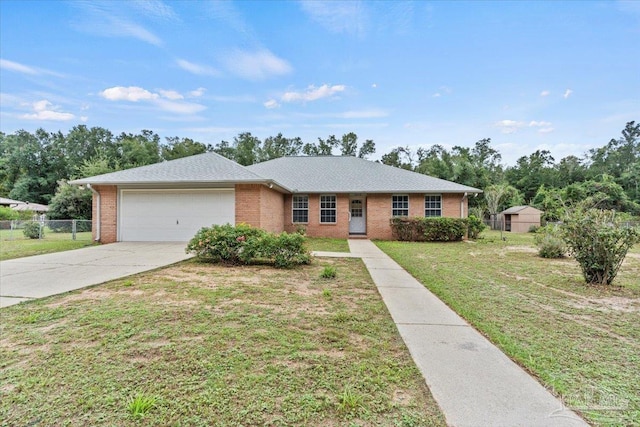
{"type": "Point", "coordinates": [474, 383]}
{"type": "Point", "coordinates": [39, 276]}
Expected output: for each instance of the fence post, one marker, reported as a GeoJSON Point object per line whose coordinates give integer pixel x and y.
{"type": "Point", "coordinates": [73, 229]}
{"type": "Point", "coordinates": [40, 230]}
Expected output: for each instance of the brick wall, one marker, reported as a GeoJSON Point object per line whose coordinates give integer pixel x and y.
{"type": "Point", "coordinates": [108, 213]}
{"type": "Point", "coordinates": [271, 210]}
{"type": "Point", "coordinates": [259, 206]}
{"type": "Point", "coordinates": [339, 230]}
{"type": "Point", "coordinates": [248, 204]}
{"type": "Point", "coordinates": [379, 214]}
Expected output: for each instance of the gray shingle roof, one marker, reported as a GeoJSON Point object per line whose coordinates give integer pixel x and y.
{"type": "Point", "coordinates": [328, 174]}
{"type": "Point", "coordinates": [201, 168]}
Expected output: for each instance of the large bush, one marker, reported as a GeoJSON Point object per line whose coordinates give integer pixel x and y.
{"type": "Point", "coordinates": [549, 242]}
{"type": "Point", "coordinates": [475, 226]}
{"type": "Point", "coordinates": [420, 229]}
{"type": "Point", "coordinates": [33, 230]}
{"type": "Point", "coordinates": [243, 244]}
{"type": "Point", "coordinates": [598, 242]}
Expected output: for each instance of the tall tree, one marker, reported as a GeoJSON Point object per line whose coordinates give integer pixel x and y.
{"type": "Point", "coordinates": [531, 172]}
{"type": "Point", "coordinates": [176, 148]}
{"type": "Point", "coordinates": [279, 146]}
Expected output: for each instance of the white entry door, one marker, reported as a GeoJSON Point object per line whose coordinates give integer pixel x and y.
{"type": "Point", "coordinates": [358, 216]}
{"type": "Point", "coordinates": [172, 215]}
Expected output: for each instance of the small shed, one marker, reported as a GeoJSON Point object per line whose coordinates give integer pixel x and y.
{"type": "Point", "coordinates": [519, 219]}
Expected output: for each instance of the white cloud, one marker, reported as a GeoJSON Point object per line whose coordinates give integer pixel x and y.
{"type": "Point", "coordinates": [442, 90]}
{"type": "Point", "coordinates": [131, 93]}
{"type": "Point", "coordinates": [567, 93]}
{"type": "Point", "coordinates": [534, 123]}
{"type": "Point", "coordinates": [200, 70]}
{"type": "Point", "coordinates": [313, 93]}
{"type": "Point", "coordinates": [338, 16]}
{"type": "Point", "coordinates": [45, 110]}
{"type": "Point", "coordinates": [112, 19]}
{"type": "Point", "coordinates": [170, 94]}
{"type": "Point", "coordinates": [197, 93]}
{"type": "Point", "coordinates": [166, 100]}
{"type": "Point", "coordinates": [509, 126]}
{"type": "Point", "coordinates": [545, 93]}
{"type": "Point", "coordinates": [14, 66]}
{"type": "Point", "coordinates": [375, 85]}
{"type": "Point", "coordinates": [272, 103]}
{"type": "Point", "coordinates": [512, 126]}
{"type": "Point", "coordinates": [156, 8]}
{"type": "Point", "coordinates": [256, 65]}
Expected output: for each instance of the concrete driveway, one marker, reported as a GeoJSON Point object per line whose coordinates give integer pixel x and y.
{"type": "Point", "coordinates": [43, 275]}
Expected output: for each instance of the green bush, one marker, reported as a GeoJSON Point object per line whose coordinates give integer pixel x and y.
{"type": "Point", "coordinates": [598, 242]}
{"type": "Point", "coordinates": [475, 227]}
{"type": "Point", "coordinates": [428, 229]}
{"type": "Point", "coordinates": [329, 272]}
{"type": "Point", "coordinates": [243, 244]}
{"type": "Point", "coordinates": [32, 230]}
{"type": "Point", "coordinates": [7, 214]}
{"type": "Point", "coordinates": [549, 242]}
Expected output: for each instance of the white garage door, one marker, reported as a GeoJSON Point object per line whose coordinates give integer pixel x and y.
{"type": "Point", "coordinates": [172, 215]}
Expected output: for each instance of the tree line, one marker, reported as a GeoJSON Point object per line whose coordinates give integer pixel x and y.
{"type": "Point", "coordinates": [32, 165]}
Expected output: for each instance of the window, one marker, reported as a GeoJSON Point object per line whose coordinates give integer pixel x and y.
{"type": "Point", "coordinates": [400, 205]}
{"type": "Point", "coordinates": [432, 205]}
{"type": "Point", "coordinates": [300, 206]}
{"type": "Point", "coordinates": [327, 209]}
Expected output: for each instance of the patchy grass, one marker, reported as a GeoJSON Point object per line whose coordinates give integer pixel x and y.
{"type": "Point", "coordinates": [323, 244]}
{"type": "Point", "coordinates": [212, 345]}
{"type": "Point", "coordinates": [583, 342]}
{"type": "Point", "coordinates": [10, 249]}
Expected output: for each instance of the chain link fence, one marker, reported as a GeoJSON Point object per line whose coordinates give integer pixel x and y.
{"type": "Point", "coordinates": [66, 229]}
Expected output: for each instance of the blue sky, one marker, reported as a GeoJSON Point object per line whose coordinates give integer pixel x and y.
{"type": "Point", "coordinates": [561, 76]}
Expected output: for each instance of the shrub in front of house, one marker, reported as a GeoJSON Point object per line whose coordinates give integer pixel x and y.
{"type": "Point", "coordinates": [475, 226]}
{"type": "Point", "coordinates": [429, 229]}
{"type": "Point", "coordinates": [243, 244]}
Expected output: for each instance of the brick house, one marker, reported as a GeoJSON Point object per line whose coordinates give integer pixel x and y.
{"type": "Point", "coordinates": [329, 196]}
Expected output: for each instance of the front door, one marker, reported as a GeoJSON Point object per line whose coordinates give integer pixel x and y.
{"type": "Point", "coordinates": [357, 215]}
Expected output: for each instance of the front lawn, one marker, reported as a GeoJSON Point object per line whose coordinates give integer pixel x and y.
{"type": "Point", "coordinates": [582, 342]}
{"type": "Point", "coordinates": [325, 244]}
{"type": "Point", "coordinates": [21, 248]}
{"type": "Point", "coordinates": [200, 345]}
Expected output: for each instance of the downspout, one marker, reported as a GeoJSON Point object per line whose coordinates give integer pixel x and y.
{"type": "Point", "coordinates": [462, 205]}
{"type": "Point", "coordinates": [99, 219]}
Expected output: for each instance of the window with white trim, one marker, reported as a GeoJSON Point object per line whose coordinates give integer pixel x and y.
{"type": "Point", "coordinates": [300, 209]}
{"type": "Point", "coordinates": [328, 209]}
{"type": "Point", "coordinates": [433, 205]}
{"type": "Point", "coordinates": [399, 205]}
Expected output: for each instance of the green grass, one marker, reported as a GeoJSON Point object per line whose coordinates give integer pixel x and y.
{"type": "Point", "coordinates": [10, 249]}
{"type": "Point", "coordinates": [213, 345]}
{"type": "Point", "coordinates": [324, 244]}
{"type": "Point", "coordinates": [582, 342]}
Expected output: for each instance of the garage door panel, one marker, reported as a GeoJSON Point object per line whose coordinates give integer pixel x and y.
{"type": "Point", "coordinates": [173, 215]}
